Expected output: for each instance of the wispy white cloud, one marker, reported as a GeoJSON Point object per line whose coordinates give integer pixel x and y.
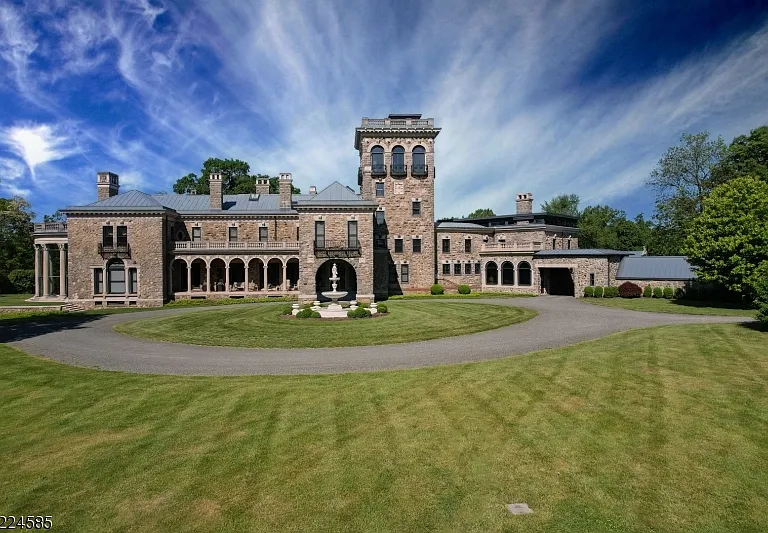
{"type": "Point", "coordinates": [38, 144]}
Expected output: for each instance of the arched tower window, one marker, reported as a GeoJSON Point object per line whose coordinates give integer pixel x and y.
{"type": "Point", "coordinates": [419, 162]}
{"type": "Point", "coordinates": [398, 161]}
{"type": "Point", "coordinates": [377, 160]}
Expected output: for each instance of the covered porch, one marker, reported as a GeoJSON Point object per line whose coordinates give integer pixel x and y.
{"type": "Point", "coordinates": [51, 264]}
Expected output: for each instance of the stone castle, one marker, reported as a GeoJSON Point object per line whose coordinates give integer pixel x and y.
{"type": "Point", "coordinates": [138, 249]}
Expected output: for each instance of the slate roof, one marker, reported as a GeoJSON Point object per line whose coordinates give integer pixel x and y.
{"type": "Point", "coordinates": [335, 194]}
{"type": "Point", "coordinates": [460, 225]}
{"type": "Point", "coordinates": [671, 267]}
{"type": "Point", "coordinates": [131, 199]}
{"type": "Point", "coordinates": [580, 252]}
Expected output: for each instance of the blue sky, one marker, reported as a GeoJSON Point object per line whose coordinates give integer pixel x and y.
{"type": "Point", "coordinates": [546, 97]}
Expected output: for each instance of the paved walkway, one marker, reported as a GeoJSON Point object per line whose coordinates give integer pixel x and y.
{"type": "Point", "coordinates": [561, 321]}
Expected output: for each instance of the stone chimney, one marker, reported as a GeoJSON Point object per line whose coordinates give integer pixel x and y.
{"type": "Point", "coordinates": [107, 185]}
{"type": "Point", "coordinates": [286, 182]}
{"type": "Point", "coordinates": [262, 186]}
{"type": "Point", "coordinates": [214, 182]}
{"type": "Point", "coordinates": [312, 189]}
{"type": "Point", "coordinates": [524, 203]}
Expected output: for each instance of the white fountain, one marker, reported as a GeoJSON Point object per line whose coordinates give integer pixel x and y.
{"type": "Point", "coordinates": [334, 307]}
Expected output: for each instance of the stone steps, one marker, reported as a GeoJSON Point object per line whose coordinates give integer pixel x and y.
{"type": "Point", "coordinates": [72, 308]}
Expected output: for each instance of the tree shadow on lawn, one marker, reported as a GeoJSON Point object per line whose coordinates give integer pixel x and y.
{"type": "Point", "coordinates": [710, 303]}
{"type": "Point", "coordinates": [755, 326]}
{"type": "Point", "coordinates": [16, 329]}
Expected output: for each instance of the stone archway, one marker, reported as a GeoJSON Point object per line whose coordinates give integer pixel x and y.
{"type": "Point", "coordinates": [347, 279]}
{"type": "Point", "coordinates": [179, 275]}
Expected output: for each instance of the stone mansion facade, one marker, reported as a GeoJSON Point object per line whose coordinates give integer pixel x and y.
{"type": "Point", "coordinates": [138, 249]}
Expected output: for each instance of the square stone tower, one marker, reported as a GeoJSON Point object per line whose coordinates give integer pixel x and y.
{"type": "Point", "coordinates": [397, 171]}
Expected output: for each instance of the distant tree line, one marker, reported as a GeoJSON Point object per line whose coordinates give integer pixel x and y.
{"type": "Point", "coordinates": [236, 178]}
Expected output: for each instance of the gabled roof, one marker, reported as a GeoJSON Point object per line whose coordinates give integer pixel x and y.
{"type": "Point", "coordinates": [133, 200]}
{"type": "Point", "coordinates": [669, 267]}
{"type": "Point", "coordinates": [580, 252]}
{"type": "Point", "coordinates": [335, 194]}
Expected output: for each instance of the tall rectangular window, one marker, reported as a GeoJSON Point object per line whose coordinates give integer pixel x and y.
{"type": "Point", "coordinates": [398, 246]}
{"type": "Point", "coordinates": [416, 246]}
{"type": "Point", "coordinates": [233, 234]}
{"type": "Point", "coordinates": [457, 269]}
{"type": "Point", "coordinates": [98, 281]}
{"type": "Point", "coordinates": [468, 245]}
{"type": "Point", "coordinates": [122, 235]}
{"type": "Point", "coordinates": [592, 279]}
{"type": "Point", "coordinates": [446, 269]}
{"type": "Point", "coordinates": [404, 273]}
{"type": "Point", "coordinates": [264, 234]}
{"type": "Point", "coordinates": [107, 236]}
{"type": "Point", "coordinates": [320, 234]}
{"type": "Point", "coordinates": [380, 218]}
{"type": "Point", "coordinates": [379, 189]}
{"type": "Point", "coordinates": [133, 281]}
{"type": "Point", "coordinates": [446, 246]}
{"type": "Point", "coordinates": [468, 268]}
{"type": "Point", "coordinates": [416, 209]}
{"type": "Point", "coordinates": [477, 268]}
{"type": "Point", "coordinates": [197, 234]}
{"type": "Point", "coordinates": [352, 234]}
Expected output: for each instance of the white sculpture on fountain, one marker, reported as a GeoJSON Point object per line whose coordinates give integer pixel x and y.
{"type": "Point", "coordinates": [334, 295]}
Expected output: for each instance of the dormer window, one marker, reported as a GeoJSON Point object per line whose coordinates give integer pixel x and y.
{"type": "Point", "coordinates": [377, 160]}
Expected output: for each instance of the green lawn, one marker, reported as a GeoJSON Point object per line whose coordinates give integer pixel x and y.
{"type": "Point", "coordinates": [661, 305]}
{"type": "Point", "coordinates": [455, 295]}
{"type": "Point", "coordinates": [263, 326]}
{"type": "Point", "coordinates": [657, 430]}
{"type": "Point", "coordinates": [19, 299]}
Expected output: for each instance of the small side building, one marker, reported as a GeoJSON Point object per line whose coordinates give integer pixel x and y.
{"type": "Point", "coordinates": [656, 271]}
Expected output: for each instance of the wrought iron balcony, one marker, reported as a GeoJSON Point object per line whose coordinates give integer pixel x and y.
{"type": "Point", "coordinates": [397, 170]}
{"type": "Point", "coordinates": [419, 170]}
{"type": "Point", "coordinates": [347, 248]}
{"type": "Point", "coordinates": [378, 170]}
{"type": "Point", "coordinates": [122, 251]}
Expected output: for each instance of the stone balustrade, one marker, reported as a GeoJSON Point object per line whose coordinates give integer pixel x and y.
{"type": "Point", "coordinates": [181, 246]}
{"type": "Point", "coordinates": [398, 123]}
{"type": "Point", "coordinates": [523, 246]}
{"type": "Point", "coordinates": [51, 227]}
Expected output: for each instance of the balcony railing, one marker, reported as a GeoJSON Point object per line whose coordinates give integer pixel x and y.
{"type": "Point", "coordinates": [347, 248]}
{"type": "Point", "coordinates": [398, 123]}
{"type": "Point", "coordinates": [419, 170]}
{"type": "Point", "coordinates": [522, 246]}
{"type": "Point", "coordinates": [397, 170]}
{"type": "Point", "coordinates": [51, 227]}
{"type": "Point", "coordinates": [115, 250]}
{"type": "Point", "coordinates": [191, 246]}
{"type": "Point", "coordinates": [378, 170]}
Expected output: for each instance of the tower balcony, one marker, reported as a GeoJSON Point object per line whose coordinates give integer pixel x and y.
{"type": "Point", "coordinates": [337, 249]}
{"type": "Point", "coordinates": [378, 170]}
{"type": "Point", "coordinates": [115, 251]}
{"type": "Point", "coordinates": [397, 170]}
{"type": "Point", "coordinates": [419, 170]}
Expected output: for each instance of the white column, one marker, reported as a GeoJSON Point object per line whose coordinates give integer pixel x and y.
{"type": "Point", "coordinates": [247, 264]}
{"type": "Point", "coordinates": [208, 276]}
{"type": "Point", "coordinates": [189, 276]}
{"type": "Point", "coordinates": [63, 270]}
{"type": "Point", "coordinates": [46, 284]}
{"type": "Point", "coordinates": [285, 275]}
{"type": "Point", "coordinates": [37, 270]}
{"type": "Point", "coordinates": [226, 276]}
{"type": "Point", "coordinates": [265, 277]}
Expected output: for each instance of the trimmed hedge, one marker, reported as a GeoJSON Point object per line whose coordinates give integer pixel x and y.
{"type": "Point", "coordinates": [668, 293]}
{"type": "Point", "coordinates": [630, 290]}
{"type": "Point", "coordinates": [383, 308]}
{"type": "Point", "coordinates": [598, 292]}
{"type": "Point", "coordinates": [437, 289]}
{"type": "Point", "coordinates": [464, 289]}
{"type": "Point", "coordinates": [589, 291]}
{"type": "Point", "coordinates": [658, 292]}
{"type": "Point", "coordinates": [611, 292]}
{"type": "Point", "coordinates": [307, 313]}
{"type": "Point", "coordinates": [360, 312]}
{"type": "Point", "coordinates": [648, 292]}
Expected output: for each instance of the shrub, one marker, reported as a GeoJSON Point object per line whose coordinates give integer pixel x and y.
{"type": "Point", "coordinates": [598, 292]}
{"type": "Point", "coordinates": [383, 308]}
{"type": "Point", "coordinates": [611, 292]}
{"type": "Point", "coordinates": [648, 291]}
{"type": "Point", "coordinates": [658, 292]}
{"type": "Point", "coordinates": [668, 293]}
{"type": "Point", "coordinates": [760, 284]}
{"type": "Point", "coordinates": [22, 281]}
{"type": "Point", "coordinates": [287, 310]}
{"type": "Point", "coordinates": [360, 312]}
{"type": "Point", "coordinates": [437, 289]}
{"type": "Point", "coordinates": [630, 290]}
{"type": "Point", "coordinates": [464, 289]}
{"type": "Point", "coordinates": [307, 313]}
{"type": "Point", "coordinates": [589, 292]}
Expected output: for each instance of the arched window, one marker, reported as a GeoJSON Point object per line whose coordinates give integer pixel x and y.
{"type": "Point", "coordinates": [116, 277]}
{"type": "Point", "coordinates": [491, 273]}
{"type": "Point", "coordinates": [377, 160]}
{"type": "Point", "coordinates": [398, 160]}
{"type": "Point", "coordinates": [523, 273]}
{"type": "Point", "coordinates": [507, 273]}
{"type": "Point", "coordinates": [419, 167]}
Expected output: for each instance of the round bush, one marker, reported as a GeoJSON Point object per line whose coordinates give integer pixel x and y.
{"type": "Point", "coordinates": [464, 289]}
{"type": "Point", "coordinates": [383, 308]}
{"type": "Point", "coordinates": [658, 292]}
{"type": "Point", "coordinates": [647, 291]}
{"type": "Point", "coordinates": [611, 292]}
{"type": "Point", "coordinates": [307, 313]}
{"type": "Point", "coordinates": [437, 289]}
{"type": "Point", "coordinates": [668, 293]}
{"type": "Point", "coordinates": [287, 310]}
{"type": "Point", "coordinates": [630, 290]}
{"type": "Point", "coordinates": [598, 292]}
{"type": "Point", "coordinates": [360, 312]}
{"type": "Point", "coordinates": [589, 292]}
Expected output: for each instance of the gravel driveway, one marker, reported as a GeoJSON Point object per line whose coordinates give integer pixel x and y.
{"type": "Point", "coordinates": [91, 342]}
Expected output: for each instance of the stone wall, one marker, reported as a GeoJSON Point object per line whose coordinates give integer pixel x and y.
{"type": "Point", "coordinates": [459, 255]}
{"type": "Point", "coordinates": [145, 238]}
{"type": "Point", "coordinates": [282, 228]}
{"type": "Point", "coordinates": [514, 260]}
{"type": "Point", "coordinates": [604, 268]}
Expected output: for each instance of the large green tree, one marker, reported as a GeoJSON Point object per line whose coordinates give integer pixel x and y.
{"type": "Point", "coordinates": [16, 241]}
{"type": "Point", "coordinates": [747, 155]}
{"type": "Point", "coordinates": [601, 226]}
{"type": "Point", "coordinates": [682, 180]}
{"type": "Point", "coordinates": [236, 178]}
{"type": "Point", "coordinates": [564, 204]}
{"type": "Point", "coordinates": [729, 239]}
{"type": "Point", "coordinates": [481, 213]}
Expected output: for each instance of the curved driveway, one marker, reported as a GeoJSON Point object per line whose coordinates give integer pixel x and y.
{"type": "Point", "coordinates": [91, 342]}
